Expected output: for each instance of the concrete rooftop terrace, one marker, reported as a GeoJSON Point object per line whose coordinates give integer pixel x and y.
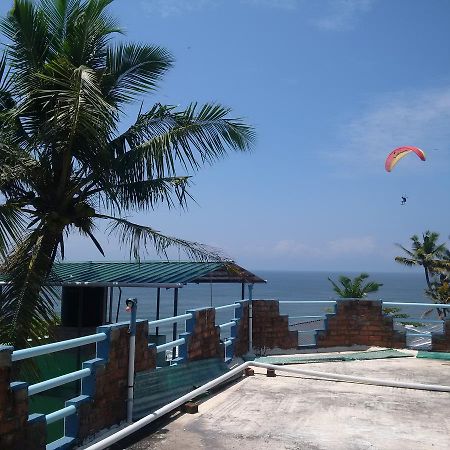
{"type": "Point", "coordinates": [297, 412]}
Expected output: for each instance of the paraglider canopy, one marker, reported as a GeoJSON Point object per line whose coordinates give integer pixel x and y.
{"type": "Point", "coordinates": [396, 155]}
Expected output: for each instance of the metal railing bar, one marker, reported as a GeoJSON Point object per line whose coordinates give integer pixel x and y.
{"type": "Point", "coordinates": [170, 320]}
{"type": "Point", "coordinates": [45, 349]}
{"type": "Point", "coordinates": [432, 305]}
{"type": "Point", "coordinates": [232, 306]}
{"type": "Point", "coordinates": [312, 302]}
{"type": "Point", "coordinates": [227, 324]}
{"type": "Point", "coordinates": [418, 334]}
{"type": "Point", "coordinates": [60, 414]}
{"type": "Point", "coordinates": [58, 381]}
{"type": "Point", "coordinates": [307, 317]}
{"type": "Point", "coordinates": [169, 345]}
{"type": "Point", "coordinates": [417, 320]}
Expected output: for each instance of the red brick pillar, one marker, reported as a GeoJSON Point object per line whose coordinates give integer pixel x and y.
{"type": "Point", "coordinates": [270, 329]}
{"type": "Point", "coordinates": [441, 342]}
{"type": "Point", "coordinates": [104, 401]}
{"type": "Point", "coordinates": [241, 329]}
{"type": "Point", "coordinates": [17, 430]}
{"type": "Point", "coordinates": [359, 322]}
{"type": "Point", "coordinates": [203, 339]}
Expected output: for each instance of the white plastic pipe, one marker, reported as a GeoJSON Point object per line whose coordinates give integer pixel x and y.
{"type": "Point", "coordinates": [130, 397]}
{"type": "Point", "coordinates": [351, 378]}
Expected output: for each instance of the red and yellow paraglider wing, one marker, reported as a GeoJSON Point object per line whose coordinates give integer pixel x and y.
{"type": "Point", "coordinates": [396, 155]}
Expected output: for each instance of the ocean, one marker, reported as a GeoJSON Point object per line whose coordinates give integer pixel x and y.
{"type": "Point", "coordinates": [281, 285]}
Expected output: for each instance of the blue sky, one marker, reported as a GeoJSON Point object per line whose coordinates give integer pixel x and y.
{"type": "Point", "coordinates": [331, 87]}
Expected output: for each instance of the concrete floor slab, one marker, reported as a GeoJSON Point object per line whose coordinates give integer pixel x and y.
{"type": "Point", "coordinates": [293, 412]}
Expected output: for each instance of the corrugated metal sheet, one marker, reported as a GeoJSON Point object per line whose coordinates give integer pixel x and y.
{"type": "Point", "coordinates": [150, 272]}
{"type": "Point", "coordinates": [157, 388]}
{"type": "Point", "coordinates": [132, 272]}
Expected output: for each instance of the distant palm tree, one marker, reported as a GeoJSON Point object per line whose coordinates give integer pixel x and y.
{"type": "Point", "coordinates": [433, 257]}
{"type": "Point", "coordinates": [64, 165]}
{"type": "Point", "coordinates": [354, 288]}
{"type": "Point", "coordinates": [424, 253]}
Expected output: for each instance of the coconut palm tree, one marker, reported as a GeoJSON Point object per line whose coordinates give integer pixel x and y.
{"type": "Point", "coordinates": [354, 288]}
{"type": "Point", "coordinates": [424, 253]}
{"type": "Point", "coordinates": [433, 257]}
{"type": "Point", "coordinates": [64, 165]}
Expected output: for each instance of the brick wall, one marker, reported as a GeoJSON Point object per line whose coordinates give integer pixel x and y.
{"type": "Point", "coordinates": [204, 339]}
{"type": "Point", "coordinates": [241, 342]}
{"type": "Point", "coordinates": [270, 329]}
{"type": "Point", "coordinates": [441, 342]}
{"type": "Point", "coordinates": [359, 322]}
{"type": "Point", "coordinates": [17, 432]}
{"type": "Point", "coordinates": [107, 406]}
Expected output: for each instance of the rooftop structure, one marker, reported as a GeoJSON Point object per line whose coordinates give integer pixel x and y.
{"type": "Point", "coordinates": [170, 274]}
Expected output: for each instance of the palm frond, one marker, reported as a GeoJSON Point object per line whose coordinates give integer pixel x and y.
{"type": "Point", "coordinates": [142, 195]}
{"type": "Point", "coordinates": [77, 118]}
{"type": "Point", "coordinates": [140, 238]}
{"type": "Point", "coordinates": [163, 138]}
{"type": "Point", "coordinates": [88, 32]}
{"type": "Point", "coordinates": [371, 287]}
{"type": "Point", "coordinates": [59, 14]}
{"type": "Point", "coordinates": [26, 29]}
{"type": "Point", "coordinates": [12, 226]}
{"type": "Point", "coordinates": [133, 69]}
{"type": "Point", "coordinates": [17, 168]}
{"type": "Point", "coordinates": [406, 261]}
{"type": "Point", "coordinates": [336, 288]}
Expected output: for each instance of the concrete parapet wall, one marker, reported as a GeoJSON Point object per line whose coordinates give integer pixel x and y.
{"type": "Point", "coordinates": [270, 329]}
{"type": "Point", "coordinates": [441, 342]}
{"type": "Point", "coordinates": [359, 322]}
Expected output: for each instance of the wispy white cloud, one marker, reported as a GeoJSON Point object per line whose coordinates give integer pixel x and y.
{"type": "Point", "coordinates": [345, 246]}
{"type": "Point", "coordinates": [339, 14]}
{"type": "Point", "coordinates": [418, 118]}
{"type": "Point", "coordinates": [364, 245]}
{"type": "Point", "coordinates": [166, 8]}
{"type": "Point", "coordinates": [343, 15]}
{"type": "Point", "coordinates": [288, 5]}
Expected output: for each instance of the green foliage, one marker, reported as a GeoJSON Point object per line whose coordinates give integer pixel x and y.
{"type": "Point", "coordinates": [64, 166]}
{"type": "Point", "coordinates": [354, 288]}
{"type": "Point", "coordinates": [435, 259]}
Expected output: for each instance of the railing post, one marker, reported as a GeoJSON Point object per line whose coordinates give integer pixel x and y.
{"type": "Point", "coordinates": [250, 320]}
{"type": "Point", "coordinates": [131, 307]}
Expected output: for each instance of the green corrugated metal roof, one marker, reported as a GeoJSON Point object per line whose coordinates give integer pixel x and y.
{"type": "Point", "coordinates": [150, 272]}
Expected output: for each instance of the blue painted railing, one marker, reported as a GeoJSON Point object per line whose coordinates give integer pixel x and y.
{"type": "Point", "coordinates": [37, 388]}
